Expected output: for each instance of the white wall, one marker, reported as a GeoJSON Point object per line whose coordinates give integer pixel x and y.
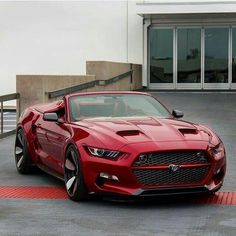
{"type": "Point", "coordinates": [185, 1]}
{"type": "Point", "coordinates": [186, 6]}
{"type": "Point", "coordinates": [58, 37]}
{"type": "Point", "coordinates": [135, 34]}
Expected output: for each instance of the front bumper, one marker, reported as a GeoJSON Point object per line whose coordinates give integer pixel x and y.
{"type": "Point", "coordinates": [127, 183]}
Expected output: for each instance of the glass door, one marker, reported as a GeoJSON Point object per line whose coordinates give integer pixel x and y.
{"type": "Point", "coordinates": [233, 85]}
{"type": "Point", "coordinates": [216, 58]}
{"type": "Point", "coordinates": [189, 58]}
{"type": "Point", "coordinates": [161, 58]}
{"type": "Point", "coordinates": [192, 57]}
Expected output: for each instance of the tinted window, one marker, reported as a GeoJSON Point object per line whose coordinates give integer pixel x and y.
{"type": "Point", "coordinates": [189, 56]}
{"type": "Point", "coordinates": [161, 55]}
{"type": "Point", "coordinates": [216, 55]}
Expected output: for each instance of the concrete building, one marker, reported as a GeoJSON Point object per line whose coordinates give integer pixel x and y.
{"type": "Point", "coordinates": [181, 44]}
{"type": "Point", "coordinates": [189, 44]}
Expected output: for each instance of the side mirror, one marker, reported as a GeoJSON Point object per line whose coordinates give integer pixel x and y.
{"type": "Point", "coordinates": [52, 116]}
{"type": "Point", "coordinates": [177, 114]}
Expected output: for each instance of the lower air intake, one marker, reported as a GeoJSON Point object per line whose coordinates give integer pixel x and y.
{"type": "Point", "coordinates": [168, 177]}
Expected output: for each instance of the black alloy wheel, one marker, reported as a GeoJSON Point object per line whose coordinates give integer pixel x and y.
{"type": "Point", "coordinates": [73, 176]}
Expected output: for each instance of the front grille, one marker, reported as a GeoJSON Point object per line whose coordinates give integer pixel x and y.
{"type": "Point", "coordinates": [172, 157]}
{"type": "Point", "coordinates": [168, 177]}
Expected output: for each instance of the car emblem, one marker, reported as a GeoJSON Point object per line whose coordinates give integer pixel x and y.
{"type": "Point", "coordinates": [142, 159]}
{"type": "Point", "coordinates": [201, 156]}
{"type": "Point", "coordinates": [173, 167]}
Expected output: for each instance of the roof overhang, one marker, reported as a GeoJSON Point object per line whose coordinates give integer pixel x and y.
{"type": "Point", "coordinates": [186, 9]}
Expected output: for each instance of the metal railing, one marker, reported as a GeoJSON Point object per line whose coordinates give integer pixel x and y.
{"type": "Point", "coordinates": [77, 88]}
{"type": "Point", "coordinates": [4, 98]}
{"type": "Point", "coordinates": [73, 89]}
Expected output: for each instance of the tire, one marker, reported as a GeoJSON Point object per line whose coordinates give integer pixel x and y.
{"type": "Point", "coordinates": [73, 176]}
{"type": "Point", "coordinates": [22, 157]}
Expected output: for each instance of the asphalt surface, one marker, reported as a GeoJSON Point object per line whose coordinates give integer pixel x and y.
{"type": "Point", "coordinates": [103, 217]}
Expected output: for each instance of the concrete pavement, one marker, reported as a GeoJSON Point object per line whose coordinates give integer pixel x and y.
{"type": "Point", "coordinates": [100, 217]}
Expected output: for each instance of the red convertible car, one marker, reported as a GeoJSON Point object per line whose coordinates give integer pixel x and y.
{"type": "Point", "coordinates": [122, 143]}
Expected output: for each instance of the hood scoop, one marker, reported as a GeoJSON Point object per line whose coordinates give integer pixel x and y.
{"type": "Point", "coordinates": [184, 131]}
{"type": "Point", "coordinates": [124, 133]}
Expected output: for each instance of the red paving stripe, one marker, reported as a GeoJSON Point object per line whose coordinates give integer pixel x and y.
{"type": "Point", "coordinates": [33, 192]}
{"type": "Point", "coordinates": [54, 192]}
{"type": "Point", "coordinates": [222, 198]}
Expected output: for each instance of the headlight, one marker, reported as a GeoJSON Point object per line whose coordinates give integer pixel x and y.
{"type": "Point", "coordinates": [218, 151]}
{"type": "Point", "coordinates": [218, 148]}
{"type": "Point", "coordinates": [103, 153]}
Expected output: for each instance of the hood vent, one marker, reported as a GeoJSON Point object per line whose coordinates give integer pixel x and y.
{"type": "Point", "coordinates": [184, 131]}
{"type": "Point", "coordinates": [128, 132]}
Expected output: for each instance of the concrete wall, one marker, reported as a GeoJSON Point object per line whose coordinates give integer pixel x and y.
{"type": "Point", "coordinates": [32, 88]}
{"type": "Point", "coordinates": [104, 70]}
{"type": "Point", "coordinates": [58, 37]}
{"type": "Point", "coordinates": [137, 77]}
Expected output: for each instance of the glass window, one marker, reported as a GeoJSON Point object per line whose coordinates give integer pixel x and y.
{"type": "Point", "coordinates": [234, 55]}
{"type": "Point", "coordinates": [115, 105]}
{"type": "Point", "coordinates": [189, 56]}
{"type": "Point", "coordinates": [161, 55]}
{"type": "Point", "coordinates": [216, 55]}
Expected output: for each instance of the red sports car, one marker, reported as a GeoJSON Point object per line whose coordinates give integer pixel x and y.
{"type": "Point", "coordinates": [122, 143]}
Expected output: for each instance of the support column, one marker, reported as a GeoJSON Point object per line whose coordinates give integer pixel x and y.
{"type": "Point", "coordinates": [147, 23]}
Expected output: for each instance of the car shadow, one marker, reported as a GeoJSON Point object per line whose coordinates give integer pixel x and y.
{"type": "Point", "coordinates": [153, 202]}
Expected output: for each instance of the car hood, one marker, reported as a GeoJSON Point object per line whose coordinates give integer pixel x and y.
{"type": "Point", "coordinates": [144, 129]}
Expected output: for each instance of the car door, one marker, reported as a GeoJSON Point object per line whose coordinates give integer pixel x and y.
{"type": "Point", "coordinates": [51, 138]}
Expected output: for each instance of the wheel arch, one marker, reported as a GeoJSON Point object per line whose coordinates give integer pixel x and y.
{"type": "Point", "coordinates": [26, 124]}
{"type": "Point", "coordinates": [68, 145]}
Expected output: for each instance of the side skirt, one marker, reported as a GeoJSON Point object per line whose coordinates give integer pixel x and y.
{"type": "Point", "coordinates": [50, 172]}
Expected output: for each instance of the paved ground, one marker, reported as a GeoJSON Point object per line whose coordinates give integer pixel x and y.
{"type": "Point", "coordinates": [100, 217]}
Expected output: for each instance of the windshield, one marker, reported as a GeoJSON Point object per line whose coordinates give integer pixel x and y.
{"type": "Point", "coordinates": [115, 105]}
